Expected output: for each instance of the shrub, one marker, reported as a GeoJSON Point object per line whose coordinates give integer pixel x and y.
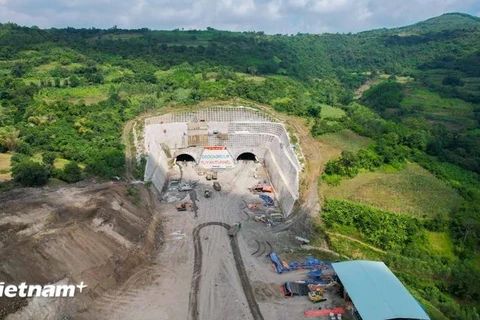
{"type": "Point", "coordinates": [332, 180]}
{"type": "Point", "coordinates": [107, 164]}
{"type": "Point", "coordinates": [71, 172]}
{"type": "Point", "coordinates": [381, 228]}
{"type": "Point", "coordinates": [48, 158]}
{"type": "Point", "coordinates": [25, 148]}
{"type": "Point", "coordinates": [30, 174]}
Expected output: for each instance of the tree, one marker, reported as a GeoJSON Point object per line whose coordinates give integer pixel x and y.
{"type": "Point", "coordinates": [74, 81]}
{"type": "Point", "coordinates": [384, 95]}
{"type": "Point", "coordinates": [452, 81]}
{"type": "Point", "coordinates": [71, 172]}
{"type": "Point", "coordinates": [18, 70]}
{"type": "Point", "coordinates": [9, 137]}
{"type": "Point", "coordinates": [107, 163]}
{"type": "Point", "coordinates": [314, 111]}
{"type": "Point", "coordinates": [48, 158]}
{"type": "Point", "coordinates": [30, 174]}
{"type": "Point", "coordinates": [252, 70]}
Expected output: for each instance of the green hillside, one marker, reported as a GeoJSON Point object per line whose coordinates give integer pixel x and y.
{"type": "Point", "coordinates": [446, 22]}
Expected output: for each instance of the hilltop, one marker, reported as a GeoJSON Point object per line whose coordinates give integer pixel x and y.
{"type": "Point", "coordinates": [446, 22]}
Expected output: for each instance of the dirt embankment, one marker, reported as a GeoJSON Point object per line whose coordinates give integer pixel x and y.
{"type": "Point", "coordinates": [95, 234]}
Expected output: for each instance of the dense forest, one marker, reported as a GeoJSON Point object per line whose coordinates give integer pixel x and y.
{"type": "Point", "coordinates": [66, 93]}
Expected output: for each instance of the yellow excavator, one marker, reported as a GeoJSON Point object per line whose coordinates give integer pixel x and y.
{"type": "Point", "coordinates": [317, 295]}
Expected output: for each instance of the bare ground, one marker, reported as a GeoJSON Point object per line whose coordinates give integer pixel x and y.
{"type": "Point", "coordinates": [165, 290]}
{"type": "Point", "coordinates": [91, 233]}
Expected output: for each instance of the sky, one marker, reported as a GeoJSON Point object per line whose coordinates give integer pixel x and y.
{"type": "Point", "coordinates": [271, 16]}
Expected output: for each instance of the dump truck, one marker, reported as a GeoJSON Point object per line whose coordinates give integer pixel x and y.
{"type": "Point", "coordinates": [214, 175]}
{"type": "Point", "coordinates": [217, 186]}
{"type": "Point", "coordinates": [209, 176]}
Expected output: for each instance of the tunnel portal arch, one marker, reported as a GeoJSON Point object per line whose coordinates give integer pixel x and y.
{"type": "Point", "coordinates": [185, 157]}
{"type": "Point", "coordinates": [247, 156]}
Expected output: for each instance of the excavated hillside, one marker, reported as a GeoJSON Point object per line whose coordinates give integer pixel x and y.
{"type": "Point", "coordinates": [95, 233]}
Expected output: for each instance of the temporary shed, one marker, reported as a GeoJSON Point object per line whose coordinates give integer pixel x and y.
{"type": "Point", "coordinates": [376, 292]}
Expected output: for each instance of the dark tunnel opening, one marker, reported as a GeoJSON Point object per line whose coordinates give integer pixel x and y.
{"type": "Point", "coordinates": [247, 156]}
{"type": "Point", "coordinates": [185, 157]}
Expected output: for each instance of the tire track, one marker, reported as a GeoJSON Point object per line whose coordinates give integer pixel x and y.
{"type": "Point", "coordinates": [262, 251]}
{"type": "Point", "coordinates": [197, 273]}
{"type": "Point", "coordinates": [258, 247]}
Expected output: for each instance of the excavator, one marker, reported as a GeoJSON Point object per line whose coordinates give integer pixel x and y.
{"type": "Point", "coordinates": [316, 295]}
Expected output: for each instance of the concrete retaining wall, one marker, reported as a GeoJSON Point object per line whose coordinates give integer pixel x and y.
{"type": "Point", "coordinates": [157, 165]}
{"type": "Point", "coordinates": [242, 130]}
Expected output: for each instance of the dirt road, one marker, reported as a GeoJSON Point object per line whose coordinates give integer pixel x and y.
{"type": "Point", "coordinates": [197, 272]}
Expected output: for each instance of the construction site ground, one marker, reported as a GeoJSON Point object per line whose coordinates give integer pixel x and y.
{"type": "Point", "coordinates": [164, 293]}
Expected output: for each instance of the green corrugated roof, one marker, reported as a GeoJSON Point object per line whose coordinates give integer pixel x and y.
{"type": "Point", "coordinates": [376, 292]}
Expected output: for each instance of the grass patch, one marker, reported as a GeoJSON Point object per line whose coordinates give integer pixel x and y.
{"type": "Point", "coordinates": [331, 112]}
{"type": "Point", "coordinates": [441, 244]}
{"type": "Point", "coordinates": [114, 72]}
{"type": "Point", "coordinates": [60, 163]}
{"type": "Point", "coordinates": [5, 166]}
{"type": "Point", "coordinates": [46, 67]}
{"type": "Point", "coordinates": [89, 94]}
{"type": "Point", "coordinates": [453, 112]}
{"type": "Point", "coordinates": [5, 161]}
{"type": "Point", "coordinates": [346, 140]}
{"type": "Point", "coordinates": [412, 190]}
{"type": "Point", "coordinates": [352, 248]}
{"type": "Point", "coordinates": [250, 77]}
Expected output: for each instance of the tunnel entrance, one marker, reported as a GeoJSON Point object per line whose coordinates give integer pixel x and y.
{"type": "Point", "coordinates": [247, 156]}
{"type": "Point", "coordinates": [185, 157]}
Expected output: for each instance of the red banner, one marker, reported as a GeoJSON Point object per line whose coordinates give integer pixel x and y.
{"type": "Point", "coordinates": [215, 148]}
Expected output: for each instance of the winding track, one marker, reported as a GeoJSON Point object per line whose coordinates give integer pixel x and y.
{"type": "Point", "coordinates": [197, 273]}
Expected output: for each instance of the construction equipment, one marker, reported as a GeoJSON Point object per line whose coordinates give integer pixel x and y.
{"type": "Point", "coordinates": [207, 193]}
{"type": "Point", "coordinates": [302, 240]}
{"type": "Point", "coordinates": [209, 176]}
{"type": "Point", "coordinates": [324, 312]}
{"type": "Point", "coordinates": [216, 186]}
{"type": "Point", "coordinates": [181, 207]}
{"type": "Point", "coordinates": [317, 295]}
{"type": "Point", "coordinates": [261, 218]}
{"type": "Point", "coordinates": [261, 187]}
{"type": "Point", "coordinates": [295, 288]}
{"type": "Point", "coordinates": [214, 175]}
{"type": "Point", "coordinates": [277, 217]}
{"type": "Point", "coordinates": [276, 262]}
{"type": "Point", "coordinates": [268, 200]}
{"type": "Point", "coordinates": [185, 187]}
